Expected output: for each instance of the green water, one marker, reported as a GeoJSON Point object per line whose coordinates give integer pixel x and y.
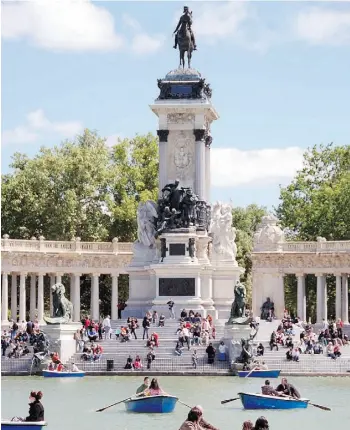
{"type": "Point", "coordinates": [70, 404]}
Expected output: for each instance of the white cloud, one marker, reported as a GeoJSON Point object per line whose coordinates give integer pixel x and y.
{"type": "Point", "coordinates": [36, 122]}
{"type": "Point", "coordinates": [323, 26]}
{"type": "Point", "coordinates": [142, 43]}
{"type": "Point", "coordinates": [18, 135]}
{"type": "Point", "coordinates": [219, 20]}
{"type": "Point", "coordinates": [232, 167]}
{"type": "Point", "coordinates": [65, 25]}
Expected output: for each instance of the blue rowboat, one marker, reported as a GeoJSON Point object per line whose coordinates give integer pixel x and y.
{"type": "Point", "coordinates": [260, 401]}
{"type": "Point", "coordinates": [22, 425]}
{"type": "Point", "coordinates": [55, 374]}
{"type": "Point", "coordinates": [151, 404]}
{"type": "Point", "coordinates": [260, 373]}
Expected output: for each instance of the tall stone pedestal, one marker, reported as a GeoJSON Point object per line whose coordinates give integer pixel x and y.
{"type": "Point", "coordinates": [62, 335]}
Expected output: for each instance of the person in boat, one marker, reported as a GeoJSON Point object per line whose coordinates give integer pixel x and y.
{"type": "Point", "coordinates": [287, 389]}
{"type": "Point", "coordinates": [247, 425]}
{"type": "Point", "coordinates": [51, 366]}
{"type": "Point", "coordinates": [192, 421]}
{"type": "Point", "coordinates": [60, 367]}
{"type": "Point", "coordinates": [143, 386]}
{"type": "Point", "coordinates": [267, 390]}
{"type": "Point", "coordinates": [154, 389]}
{"type": "Point", "coordinates": [261, 424]}
{"type": "Point", "coordinates": [36, 409]}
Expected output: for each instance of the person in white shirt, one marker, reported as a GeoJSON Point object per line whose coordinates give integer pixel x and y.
{"type": "Point", "coordinates": [106, 323]}
{"type": "Point", "coordinates": [186, 336]}
{"type": "Point", "coordinates": [75, 368]}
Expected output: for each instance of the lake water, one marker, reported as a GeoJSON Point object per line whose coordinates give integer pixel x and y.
{"type": "Point", "coordinates": [70, 404]}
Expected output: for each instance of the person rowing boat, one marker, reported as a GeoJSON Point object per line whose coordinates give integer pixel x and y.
{"type": "Point", "coordinates": [267, 390]}
{"type": "Point", "coordinates": [286, 389]}
{"type": "Point", "coordinates": [143, 386]}
{"type": "Point", "coordinates": [153, 390]}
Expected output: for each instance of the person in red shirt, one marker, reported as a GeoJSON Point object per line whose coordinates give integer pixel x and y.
{"type": "Point", "coordinates": [59, 367]}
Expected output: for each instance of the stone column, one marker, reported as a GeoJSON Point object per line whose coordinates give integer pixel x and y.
{"type": "Point", "coordinates": [41, 298]}
{"type": "Point", "coordinates": [198, 287]}
{"type": "Point", "coordinates": [58, 278]}
{"type": "Point", "coordinates": [301, 297]}
{"type": "Point", "coordinates": [75, 292]}
{"type": "Point", "coordinates": [345, 299]}
{"type": "Point", "coordinates": [208, 142]}
{"type": "Point", "coordinates": [200, 182]}
{"type": "Point", "coordinates": [114, 299]}
{"type": "Point", "coordinates": [14, 296]}
{"type": "Point", "coordinates": [4, 298]}
{"type": "Point", "coordinates": [32, 296]}
{"type": "Point", "coordinates": [338, 297]}
{"type": "Point", "coordinates": [52, 282]}
{"type": "Point", "coordinates": [163, 174]}
{"type": "Point", "coordinates": [95, 306]}
{"type": "Point", "coordinates": [22, 297]}
{"type": "Point", "coordinates": [321, 298]}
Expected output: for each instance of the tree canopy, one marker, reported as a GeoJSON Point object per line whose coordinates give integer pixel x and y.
{"type": "Point", "coordinates": [316, 203]}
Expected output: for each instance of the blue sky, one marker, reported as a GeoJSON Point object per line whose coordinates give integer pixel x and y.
{"type": "Point", "coordinates": [279, 72]}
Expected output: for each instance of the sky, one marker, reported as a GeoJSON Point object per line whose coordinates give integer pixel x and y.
{"type": "Point", "coordinates": [280, 74]}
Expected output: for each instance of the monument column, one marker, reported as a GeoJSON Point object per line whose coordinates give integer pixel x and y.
{"type": "Point", "coordinates": [22, 297]}
{"type": "Point", "coordinates": [114, 304]}
{"type": "Point", "coordinates": [338, 297]}
{"type": "Point", "coordinates": [301, 297]}
{"type": "Point", "coordinates": [52, 283]}
{"type": "Point", "coordinates": [345, 299]}
{"type": "Point", "coordinates": [41, 298]}
{"type": "Point", "coordinates": [200, 181]}
{"type": "Point", "coordinates": [4, 298]}
{"type": "Point", "coordinates": [14, 296]}
{"type": "Point", "coordinates": [32, 295]}
{"type": "Point", "coordinates": [163, 141]}
{"type": "Point", "coordinates": [95, 305]}
{"type": "Point", "coordinates": [208, 142]}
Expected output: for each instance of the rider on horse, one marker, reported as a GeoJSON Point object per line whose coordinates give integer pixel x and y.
{"type": "Point", "coordinates": [186, 19]}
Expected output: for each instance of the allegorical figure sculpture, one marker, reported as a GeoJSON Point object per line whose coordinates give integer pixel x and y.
{"type": "Point", "coordinates": [237, 315]}
{"type": "Point", "coordinates": [224, 235]}
{"type": "Point", "coordinates": [184, 37]}
{"type": "Point", "coordinates": [62, 308]}
{"type": "Point", "coordinates": [146, 216]}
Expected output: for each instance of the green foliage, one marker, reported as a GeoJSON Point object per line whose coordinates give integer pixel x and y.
{"type": "Point", "coordinates": [246, 221]}
{"type": "Point", "coordinates": [316, 202]}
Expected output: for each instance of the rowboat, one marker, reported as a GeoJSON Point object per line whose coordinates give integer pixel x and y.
{"type": "Point", "coordinates": [151, 404]}
{"type": "Point", "coordinates": [259, 373]}
{"type": "Point", "coordinates": [22, 425]}
{"type": "Point", "coordinates": [261, 401]}
{"type": "Point", "coordinates": [55, 374]}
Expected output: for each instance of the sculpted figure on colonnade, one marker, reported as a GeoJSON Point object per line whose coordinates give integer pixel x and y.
{"type": "Point", "coordinates": [267, 309]}
{"type": "Point", "coordinates": [62, 307]}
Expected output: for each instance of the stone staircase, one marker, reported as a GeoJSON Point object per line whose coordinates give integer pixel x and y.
{"type": "Point", "coordinates": [165, 361]}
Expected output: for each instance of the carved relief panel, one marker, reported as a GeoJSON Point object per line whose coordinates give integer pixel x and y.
{"type": "Point", "coordinates": [181, 157]}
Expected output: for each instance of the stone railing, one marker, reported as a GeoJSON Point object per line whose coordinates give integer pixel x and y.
{"type": "Point", "coordinates": [336, 246]}
{"type": "Point", "coordinates": [75, 245]}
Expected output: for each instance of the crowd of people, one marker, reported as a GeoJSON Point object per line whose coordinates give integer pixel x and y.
{"type": "Point", "coordinates": [329, 340]}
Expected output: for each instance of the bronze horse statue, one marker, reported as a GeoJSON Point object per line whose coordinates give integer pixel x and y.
{"type": "Point", "coordinates": [185, 45]}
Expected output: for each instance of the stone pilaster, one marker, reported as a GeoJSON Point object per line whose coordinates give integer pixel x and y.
{"type": "Point", "coordinates": [301, 296]}
{"type": "Point", "coordinates": [22, 297]}
{"type": "Point", "coordinates": [114, 301]}
{"type": "Point", "coordinates": [338, 296]}
{"type": "Point", "coordinates": [345, 298]}
{"type": "Point", "coordinates": [14, 289]}
{"type": "Point", "coordinates": [200, 182]}
{"type": "Point", "coordinates": [4, 298]}
{"type": "Point", "coordinates": [41, 298]}
{"type": "Point", "coordinates": [163, 142]}
{"type": "Point", "coordinates": [32, 296]}
{"type": "Point", "coordinates": [95, 297]}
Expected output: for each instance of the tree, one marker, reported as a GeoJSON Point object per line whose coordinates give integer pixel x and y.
{"type": "Point", "coordinates": [246, 221]}
{"type": "Point", "coordinates": [316, 202]}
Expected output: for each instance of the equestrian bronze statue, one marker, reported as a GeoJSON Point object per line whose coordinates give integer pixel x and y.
{"type": "Point", "coordinates": [184, 37]}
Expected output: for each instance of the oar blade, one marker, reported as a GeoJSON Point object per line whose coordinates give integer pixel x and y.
{"type": "Point", "coordinates": [229, 400]}
{"type": "Point", "coordinates": [325, 408]}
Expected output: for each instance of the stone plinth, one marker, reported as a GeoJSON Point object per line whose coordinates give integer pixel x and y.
{"type": "Point", "coordinates": [232, 337]}
{"type": "Point", "coordinates": [62, 334]}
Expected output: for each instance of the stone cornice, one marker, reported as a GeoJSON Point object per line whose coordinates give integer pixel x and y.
{"type": "Point", "coordinates": [334, 262]}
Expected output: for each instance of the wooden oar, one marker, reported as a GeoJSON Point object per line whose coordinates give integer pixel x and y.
{"type": "Point", "coordinates": [325, 408]}
{"type": "Point", "coordinates": [184, 404]}
{"type": "Point", "coordinates": [248, 374]}
{"type": "Point", "coordinates": [229, 400]}
{"type": "Point", "coordinates": [113, 404]}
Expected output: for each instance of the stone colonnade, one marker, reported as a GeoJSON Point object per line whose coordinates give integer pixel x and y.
{"type": "Point", "coordinates": [37, 295]}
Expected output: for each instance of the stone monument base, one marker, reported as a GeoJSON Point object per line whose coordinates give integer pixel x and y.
{"type": "Point", "coordinates": [63, 334]}
{"type": "Point", "coordinates": [233, 334]}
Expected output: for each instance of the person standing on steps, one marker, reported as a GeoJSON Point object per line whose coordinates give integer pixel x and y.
{"type": "Point", "coordinates": [146, 325]}
{"type": "Point", "coordinates": [171, 304]}
{"type": "Point", "coordinates": [106, 324]}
